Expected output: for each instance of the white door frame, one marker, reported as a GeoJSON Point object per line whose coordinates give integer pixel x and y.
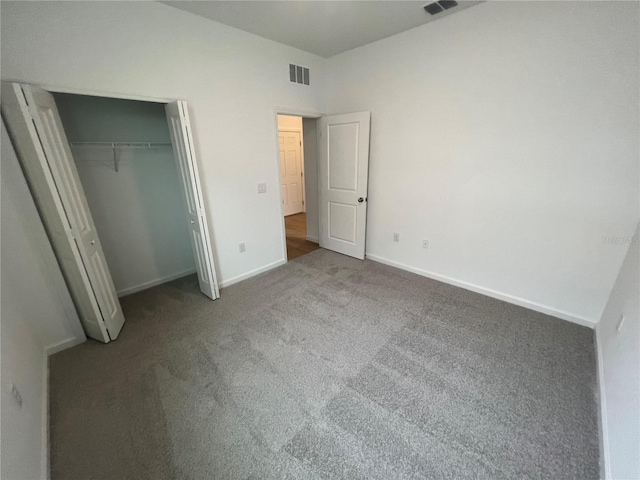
{"type": "Point", "coordinates": [141, 98]}
{"type": "Point", "coordinates": [297, 113]}
{"type": "Point", "coordinates": [95, 93]}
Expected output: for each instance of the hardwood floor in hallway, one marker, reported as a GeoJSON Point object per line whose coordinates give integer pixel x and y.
{"type": "Point", "coordinates": [297, 243]}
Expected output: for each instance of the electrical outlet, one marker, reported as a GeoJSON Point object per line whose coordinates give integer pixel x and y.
{"type": "Point", "coordinates": [241, 247]}
{"type": "Point", "coordinates": [425, 243]}
{"type": "Point", "coordinates": [262, 188]}
{"type": "Point", "coordinates": [16, 395]}
{"type": "Point", "coordinates": [396, 237]}
{"type": "Point", "coordinates": [620, 322]}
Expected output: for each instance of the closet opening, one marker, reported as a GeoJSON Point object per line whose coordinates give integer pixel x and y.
{"type": "Point", "coordinates": [123, 154]}
{"type": "Point", "coordinates": [124, 211]}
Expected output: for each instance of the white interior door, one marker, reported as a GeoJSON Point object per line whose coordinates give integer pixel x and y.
{"type": "Point", "coordinates": [34, 124]}
{"type": "Point", "coordinates": [343, 170]}
{"type": "Point", "coordinates": [182, 140]}
{"type": "Point", "coordinates": [290, 146]}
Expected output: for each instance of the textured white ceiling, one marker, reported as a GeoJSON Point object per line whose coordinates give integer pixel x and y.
{"type": "Point", "coordinates": [325, 28]}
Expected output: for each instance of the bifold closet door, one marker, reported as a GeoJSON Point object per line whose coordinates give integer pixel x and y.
{"type": "Point", "coordinates": [39, 139]}
{"type": "Point", "coordinates": [184, 152]}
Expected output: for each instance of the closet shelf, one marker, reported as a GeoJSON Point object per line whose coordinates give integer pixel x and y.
{"type": "Point", "coordinates": [117, 145]}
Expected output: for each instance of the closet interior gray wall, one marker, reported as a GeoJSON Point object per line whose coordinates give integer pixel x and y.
{"type": "Point", "coordinates": [138, 210]}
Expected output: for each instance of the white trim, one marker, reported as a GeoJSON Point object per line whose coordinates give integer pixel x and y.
{"type": "Point", "coordinates": [313, 239]}
{"type": "Point", "coordinates": [44, 453]}
{"type": "Point", "coordinates": [283, 227]}
{"type": "Point", "coordinates": [522, 302]}
{"type": "Point", "coordinates": [100, 93]}
{"type": "Point", "coordinates": [603, 427]}
{"type": "Point", "coordinates": [155, 282]}
{"type": "Point", "coordinates": [297, 112]}
{"type": "Point", "coordinates": [64, 344]}
{"type": "Point", "coordinates": [302, 169]}
{"type": "Point", "coordinates": [252, 273]}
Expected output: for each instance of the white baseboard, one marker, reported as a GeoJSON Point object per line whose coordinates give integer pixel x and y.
{"type": "Point", "coordinates": [313, 239]}
{"type": "Point", "coordinates": [252, 273]}
{"type": "Point", "coordinates": [63, 345]}
{"type": "Point", "coordinates": [489, 292]}
{"type": "Point", "coordinates": [603, 429]}
{"type": "Point", "coordinates": [153, 283]}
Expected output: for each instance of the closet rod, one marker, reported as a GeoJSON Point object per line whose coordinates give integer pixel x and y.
{"type": "Point", "coordinates": [115, 145]}
{"type": "Point", "coordinates": [119, 144]}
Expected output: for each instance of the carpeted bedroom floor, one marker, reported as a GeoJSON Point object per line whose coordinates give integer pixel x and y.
{"type": "Point", "coordinates": [327, 367]}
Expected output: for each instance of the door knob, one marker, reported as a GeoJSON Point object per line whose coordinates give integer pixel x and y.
{"type": "Point", "coordinates": [192, 222]}
{"type": "Point", "coordinates": [92, 242]}
{"type": "Point", "coordinates": [360, 200]}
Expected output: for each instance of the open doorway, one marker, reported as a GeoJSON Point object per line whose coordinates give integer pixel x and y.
{"type": "Point", "coordinates": [328, 208]}
{"type": "Point", "coordinates": [297, 147]}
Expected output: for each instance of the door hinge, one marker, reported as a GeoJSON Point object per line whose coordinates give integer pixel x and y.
{"type": "Point", "coordinates": [71, 232]}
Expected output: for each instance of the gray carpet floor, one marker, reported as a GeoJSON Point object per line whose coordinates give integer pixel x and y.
{"type": "Point", "coordinates": [327, 367]}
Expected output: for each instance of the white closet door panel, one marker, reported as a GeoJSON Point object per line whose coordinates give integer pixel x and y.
{"type": "Point", "coordinates": [37, 131]}
{"type": "Point", "coordinates": [182, 140]}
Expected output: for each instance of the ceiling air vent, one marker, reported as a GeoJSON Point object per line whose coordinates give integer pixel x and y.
{"type": "Point", "coordinates": [441, 6]}
{"type": "Point", "coordinates": [298, 74]}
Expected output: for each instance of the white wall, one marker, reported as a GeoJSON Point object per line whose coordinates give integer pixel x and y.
{"type": "Point", "coordinates": [138, 210]}
{"type": "Point", "coordinates": [37, 317]}
{"type": "Point", "coordinates": [619, 368]}
{"type": "Point", "coordinates": [506, 135]}
{"type": "Point", "coordinates": [232, 81]}
{"type": "Point", "coordinates": [24, 428]}
{"type": "Point", "coordinates": [31, 276]}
